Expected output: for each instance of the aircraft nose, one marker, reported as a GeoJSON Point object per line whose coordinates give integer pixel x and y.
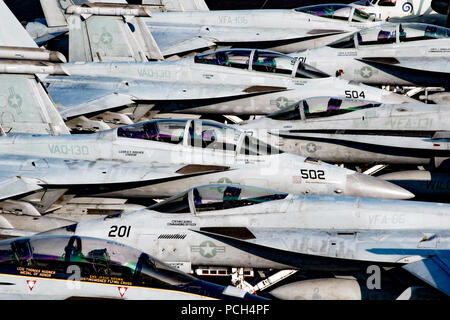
{"type": "Point", "coordinates": [363, 185]}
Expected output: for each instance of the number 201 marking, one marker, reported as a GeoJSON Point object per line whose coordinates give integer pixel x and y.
{"type": "Point", "coordinates": [122, 231]}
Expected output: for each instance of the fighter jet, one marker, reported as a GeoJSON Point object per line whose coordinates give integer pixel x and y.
{"type": "Point", "coordinates": [251, 82]}
{"type": "Point", "coordinates": [222, 82]}
{"type": "Point", "coordinates": [60, 267]}
{"type": "Point", "coordinates": [194, 147]}
{"type": "Point", "coordinates": [392, 54]}
{"type": "Point", "coordinates": [124, 162]}
{"type": "Point", "coordinates": [240, 226]}
{"type": "Point", "coordinates": [160, 34]}
{"type": "Point", "coordinates": [358, 131]}
{"type": "Point", "coordinates": [402, 10]}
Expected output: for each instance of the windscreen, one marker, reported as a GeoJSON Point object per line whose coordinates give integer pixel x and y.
{"type": "Point", "coordinates": [361, 16]}
{"type": "Point", "coordinates": [169, 131]}
{"type": "Point", "coordinates": [97, 260]}
{"type": "Point", "coordinates": [375, 36]}
{"type": "Point", "coordinates": [321, 107]}
{"type": "Point", "coordinates": [213, 135]}
{"type": "Point", "coordinates": [254, 147]}
{"type": "Point", "coordinates": [347, 42]}
{"type": "Point", "coordinates": [291, 112]}
{"type": "Point", "coordinates": [220, 197]}
{"type": "Point", "coordinates": [274, 62]}
{"type": "Point", "coordinates": [236, 58]}
{"type": "Point", "coordinates": [332, 11]}
{"type": "Point", "coordinates": [308, 72]}
{"type": "Point", "coordinates": [418, 32]}
{"type": "Point", "coordinates": [175, 204]}
{"type": "Point", "coordinates": [326, 107]}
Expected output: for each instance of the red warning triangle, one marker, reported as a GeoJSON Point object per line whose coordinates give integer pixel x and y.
{"type": "Point", "coordinates": [122, 290]}
{"type": "Point", "coordinates": [31, 284]}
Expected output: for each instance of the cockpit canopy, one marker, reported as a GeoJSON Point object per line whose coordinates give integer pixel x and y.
{"type": "Point", "coordinates": [204, 134]}
{"type": "Point", "coordinates": [320, 107]}
{"type": "Point", "coordinates": [261, 60]}
{"type": "Point", "coordinates": [216, 197]}
{"type": "Point", "coordinates": [337, 12]}
{"type": "Point", "coordinates": [95, 257]}
{"type": "Point", "coordinates": [392, 33]}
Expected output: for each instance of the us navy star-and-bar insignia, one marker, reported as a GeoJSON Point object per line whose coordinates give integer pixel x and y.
{"type": "Point", "coordinates": [208, 249]}
{"type": "Point", "coordinates": [366, 72]}
{"type": "Point", "coordinates": [106, 38]}
{"type": "Point", "coordinates": [15, 100]}
{"type": "Point", "coordinates": [281, 102]}
{"type": "Point", "coordinates": [311, 147]}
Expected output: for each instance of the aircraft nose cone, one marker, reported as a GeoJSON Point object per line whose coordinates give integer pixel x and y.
{"type": "Point", "coordinates": [363, 185]}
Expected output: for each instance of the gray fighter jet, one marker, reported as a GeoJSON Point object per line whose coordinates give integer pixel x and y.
{"type": "Point", "coordinates": [153, 34]}
{"type": "Point", "coordinates": [124, 162]}
{"type": "Point", "coordinates": [390, 54]}
{"type": "Point", "coordinates": [146, 150]}
{"type": "Point", "coordinates": [55, 267]}
{"type": "Point", "coordinates": [250, 81]}
{"type": "Point", "coordinates": [240, 226]}
{"type": "Point", "coordinates": [231, 82]}
{"type": "Point", "coordinates": [357, 131]}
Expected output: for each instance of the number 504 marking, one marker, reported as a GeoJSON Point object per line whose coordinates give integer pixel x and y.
{"type": "Point", "coordinates": [121, 232]}
{"type": "Point", "coordinates": [354, 94]}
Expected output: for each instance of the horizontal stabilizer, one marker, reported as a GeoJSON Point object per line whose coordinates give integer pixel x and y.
{"type": "Point", "coordinates": [4, 223]}
{"type": "Point", "coordinates": [16, 186]}
{"type": "Point", "coordinates": [435, 271]}
{"type": "Point", "coordinates": [14, 233]}
{"type": "Point", "coordinates": [101, 104]}
{"type": "Point", "coordinates": [441, 135]}
{"type": "Point", "coordinates": [12, 33]}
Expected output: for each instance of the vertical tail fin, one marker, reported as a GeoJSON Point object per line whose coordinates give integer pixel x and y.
{"type": "Point", "coordinates": [12, 33]}
{"type": "Point", "coordinates": [24, 103]}
{"type": "Point", "coordinates": [25, 107]}
{"type": "Point", "coordinates": [106, 36]}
